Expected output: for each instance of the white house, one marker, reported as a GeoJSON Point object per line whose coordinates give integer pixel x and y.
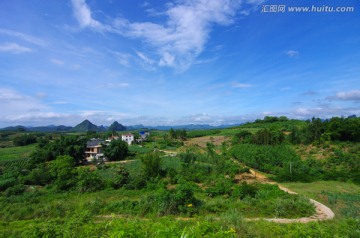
{"type": "Point", "coordinates": [128, 138]}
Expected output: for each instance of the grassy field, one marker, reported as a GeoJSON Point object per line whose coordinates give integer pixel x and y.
{"type": "Point", "coordinates": [233, 131]}
{"type": "Point", "coordinates": [18, 152]}
{"type": "Point", "coordinates": [343, 198]}
{"type": "Point", "coordinates": [312, 189]}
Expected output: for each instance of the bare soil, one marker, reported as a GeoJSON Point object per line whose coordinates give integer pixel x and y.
{"type": "Point", "coordinates": [201, 141]}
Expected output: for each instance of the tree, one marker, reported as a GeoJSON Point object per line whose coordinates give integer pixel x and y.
{"type": "Point", "coordinates": [172, 133]}
{"type": "Point", "coordinates": [188, 157]}
{"type": "Point", "coordinates": [65, 145]}
{"type": "Point", "coordinates": [182, 134]}
{"type": "Point", "coordinates": [62, 171]}
{"type": "Point", "coordinates": [313, 131]}
{"type": "Point", "coordinates": [25, 139]}
{"type": "Point", "coordinates": [116, 150]}
{"type": "Point", "coordinates": [88, 181]}
{"type": "Point", "coordinates": [243, 137]}
{"type": "Point", "coordinates": [151, 164]}
{"type": "Point", "coordinates": [121, 177]}
{"type": "Point", "coordinates": [294, 136]}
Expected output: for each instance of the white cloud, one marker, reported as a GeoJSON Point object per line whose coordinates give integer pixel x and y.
{"type": "Point", "coordinates": [292, 53]}
{"type": "Point", "coordinates": [25, 37]}
{"type": "Point", "coordinates": [353, 95]}
{"type": "Point", "coordinates": [180, 39]}
{"type": "Point", "coordinates": [116, 85]}
{"type": "Point", "coordinates": [83, 14]}
{"type": "Point", "coordinates": [14, 48]}
{"type": "Point", "coordinates": [13, 103]}
{"type": "Point", "coordinates": [145, 59]}
{"type": "Point", "coordinates": [41, 95]}
{"type": "Point", "coordinates": [57, 62]}
{"type": "Point", "coordinates": [241, 85]}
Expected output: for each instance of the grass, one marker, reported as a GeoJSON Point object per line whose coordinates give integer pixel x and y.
{"type": "Point", "coordinates": [233, 131]}
{"type": "Point", "coordinates": [312, 189]}
{"type": "Point", "coordinates": [343, 198]}
{"type": "Point", "coordinates": [139, 149]}
{"type": "Point", "coordinates": [18, 152]}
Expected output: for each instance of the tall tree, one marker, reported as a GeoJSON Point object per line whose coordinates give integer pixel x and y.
{"type": "Point", "coordinates": [116, 150]}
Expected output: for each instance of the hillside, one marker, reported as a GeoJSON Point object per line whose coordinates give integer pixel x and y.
{"type": "Point", "coordinates": [86, 125]}
{"type": "Point", "coordinates": [206, 183]}
{"type": "Point", "coordinates": [116, 126]}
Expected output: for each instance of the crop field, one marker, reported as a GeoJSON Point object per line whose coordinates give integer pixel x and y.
{"type": "Point", "coordinates": [19, 152]}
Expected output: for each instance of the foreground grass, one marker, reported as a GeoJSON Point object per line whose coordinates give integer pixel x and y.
{"type": "Point", "coordinates": [18, 152]}
{"type": "Point", "coordinates": [79, 224]}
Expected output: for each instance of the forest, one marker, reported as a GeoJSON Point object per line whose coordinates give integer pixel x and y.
{"type": "Point", "coordinates": [172, 186]}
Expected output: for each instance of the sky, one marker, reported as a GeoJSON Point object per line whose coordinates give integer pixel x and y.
{"type": "Point", "coordinates": [176, 62]}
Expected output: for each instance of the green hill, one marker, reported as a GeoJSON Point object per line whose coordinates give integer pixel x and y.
{"type": "Point", "coordinates": [116, 126]}
{"type": "Point", "coordinates": [87, 126]}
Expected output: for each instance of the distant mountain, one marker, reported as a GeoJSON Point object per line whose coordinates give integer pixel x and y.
{"type": "Point", "coordinates": [116, 126]}
{"type": "Point", "coordinates": [189, 127]}
{"type": "Point", "coordinates": [86, 126]}
{"type": "Point", "coordinates": [15, 128]}
{"type": "Point", "coordinates": [136, 127]}
{"type": "Point", "coordinates": [50, 128]}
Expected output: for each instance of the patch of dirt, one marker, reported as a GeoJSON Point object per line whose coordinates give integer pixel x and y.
{"type": "Point", "coordinates": [201, 141]}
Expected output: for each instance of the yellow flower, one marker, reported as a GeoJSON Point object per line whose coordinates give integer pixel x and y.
{"type": "Point", "coordinates": [189, 205]}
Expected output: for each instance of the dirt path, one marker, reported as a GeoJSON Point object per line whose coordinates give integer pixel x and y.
{"type": "Point", "coordinates": [322, 211]}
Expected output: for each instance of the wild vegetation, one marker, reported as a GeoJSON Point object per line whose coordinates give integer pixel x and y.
{"type": "Point", "coordinates": [194, 191]}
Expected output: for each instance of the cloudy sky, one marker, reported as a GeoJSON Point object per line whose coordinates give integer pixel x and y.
{"type": "Point", "coordinates": [175, 62]}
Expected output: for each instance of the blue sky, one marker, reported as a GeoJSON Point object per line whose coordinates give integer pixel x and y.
{"type": "Point", "coordinates": [175, 62]}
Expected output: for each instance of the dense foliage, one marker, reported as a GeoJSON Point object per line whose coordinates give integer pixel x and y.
{"type": "Point", "coordinates": [24, 139]}
{"type": "Point", "coordinates": [116, 150]}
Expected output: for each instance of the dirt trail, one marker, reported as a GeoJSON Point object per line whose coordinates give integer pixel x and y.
{"type": "Point", "coordinates": [322, 211]}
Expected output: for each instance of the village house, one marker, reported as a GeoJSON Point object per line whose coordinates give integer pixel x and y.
{"type": "Point", "coordinates": [128, 138]}
{"type": "Point", "coordinates": [94, 149]}
{"type": "Point", "coordinates": [143, 136]}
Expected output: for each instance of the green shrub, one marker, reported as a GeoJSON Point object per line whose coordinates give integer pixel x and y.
{"type": "Point", "coordinates": [121, 178]}
{"type": "Point", "coordinates": [6, 183]}
{"type": "Point", "coordinates": [88, 181]}
{"type": "Point", "coordinates": [244, 190]}
{"type": "Point", "coordinates": [15, 190]}
{"type": "Point", "coordinates": [165, 202]}
{"type": "Point", "coordinates": [222, 186]}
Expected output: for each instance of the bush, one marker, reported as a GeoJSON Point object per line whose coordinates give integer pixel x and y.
{"type": "Point", "coordinates": [165, 202]}
{"type": "Point", "coordinates": [121, 178]}
{"type": "Point", "coordinates": [245, 190]}
{"type": "Point", "coordinates": [151, 164]}
{"type": "Point", "coordinates": [222, 186]}
{"type": "Point", "coordinates": [25, 139]}
{"type": "Point", "coordinates": [88, 181]}
{"type": "Point", "coordinates": [15, 190]}
{"type": "Point", "coordinates": [6, 183]}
